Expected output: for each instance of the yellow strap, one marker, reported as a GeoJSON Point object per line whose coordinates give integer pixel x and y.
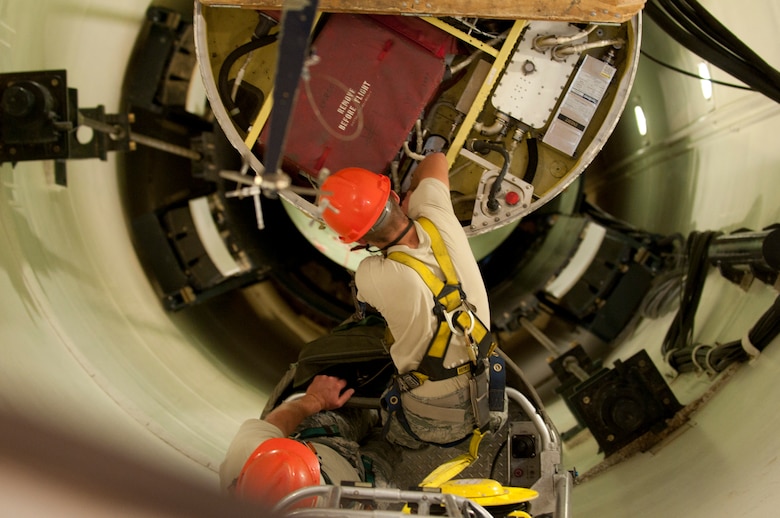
{"type": "Point", "coordinates": [440, 251]}
{"type": "Point", "coordinates": [434, 283]}
{"type": "Point", "coordinates": [440, 341]}
{"type": "Point", "coordinates": [447, 471]}
{"type": "Point", "coordinates": [452, 299]}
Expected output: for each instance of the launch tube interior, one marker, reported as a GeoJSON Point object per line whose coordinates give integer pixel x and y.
{"type": "Point", "coordinates": [149, 375]}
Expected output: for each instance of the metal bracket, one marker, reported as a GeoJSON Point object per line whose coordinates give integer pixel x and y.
{"type": "Point", "coordinates": [40, 120]}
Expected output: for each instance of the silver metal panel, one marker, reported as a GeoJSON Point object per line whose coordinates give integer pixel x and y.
{"type": "Point", "coordinates": [533, 82]}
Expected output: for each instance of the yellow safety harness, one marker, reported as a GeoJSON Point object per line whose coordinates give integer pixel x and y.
{"type": "Point", "coordinates": [456, 316]}
{"type": "Point", "coordinates": [454, 313]}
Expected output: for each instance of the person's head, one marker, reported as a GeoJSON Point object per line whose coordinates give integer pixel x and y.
{"type": "Point", "coordinates": [360, 206]}
{"type": "Point", "coordinates": [275, 469]}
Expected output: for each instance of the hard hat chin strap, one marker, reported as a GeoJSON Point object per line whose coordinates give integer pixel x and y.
{"type": "Point", "coordinates": [380, 220]}
{"type": "Point", "coordinates": [400, 236]}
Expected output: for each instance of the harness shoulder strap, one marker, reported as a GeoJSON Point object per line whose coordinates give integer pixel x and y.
{"type": "Point", "coordinates": [446, 296]}
{"type": "Point", "coordinates": [440, 250]}
{"type": "Point", "coordinates": [449, 293]}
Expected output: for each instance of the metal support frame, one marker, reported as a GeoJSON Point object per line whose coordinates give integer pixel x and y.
{"type": "Point", "coordinates": [40, 120]}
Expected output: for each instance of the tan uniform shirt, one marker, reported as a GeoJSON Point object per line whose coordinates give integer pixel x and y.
{"type": "Point", "coordinates": [401, 296]}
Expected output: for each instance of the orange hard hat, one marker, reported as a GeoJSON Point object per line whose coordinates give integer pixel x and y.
{"type": "Point", "coordinates": [275, 469]}
{"type": "Point", "coordinates": [354, 199]}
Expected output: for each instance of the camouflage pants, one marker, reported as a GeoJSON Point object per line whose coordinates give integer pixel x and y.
{"type": "Point", "coordinates": [438, 420]}
{"type": "Point", "coordinates": [444, 419]}
{"type": "Point", "coordinates": [354, 433]}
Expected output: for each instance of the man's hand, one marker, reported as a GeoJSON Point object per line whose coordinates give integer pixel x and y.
{"type": "Point", "coordinates": [324, 393]}
{"type": "Point", "coordinates": [329, 391]}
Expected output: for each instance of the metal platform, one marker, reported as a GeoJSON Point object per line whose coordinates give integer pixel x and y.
{"type": "Point", "coordinates": [525, 452]}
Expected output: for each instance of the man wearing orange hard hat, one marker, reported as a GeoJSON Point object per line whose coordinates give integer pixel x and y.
{"type": "Point", "coordinates": [427, 285]}
{"type": "Point", "coordinates": [270, 458]}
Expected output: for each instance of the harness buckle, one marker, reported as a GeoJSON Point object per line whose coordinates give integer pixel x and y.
{"type": "Point", "coordinates": [408, 381]}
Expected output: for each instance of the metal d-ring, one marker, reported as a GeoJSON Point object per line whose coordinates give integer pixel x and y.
{"type": "Point", "coordinates": [448, 316]}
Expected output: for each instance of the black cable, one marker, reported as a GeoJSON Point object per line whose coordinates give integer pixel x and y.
{"type": "Point", "coordinates": [712, 33]}
{"type": "Point", "coordinates": [679, 334]}
{"type": "Point", "coordinates": [607, 219]}
{"type": "Point", "coordinates": [664, 293]}
{"type": "Point", "coordinates": [483, 147]}
{"type": "Point", "coordinates": [694, 28]}
{"type": "Point", "coordinates": [717, 30]}
{"type": "Point", "coordinates": [683, 15]}
{"type": "Point", "coordinates": [533, 160]}
{"type": "Point", "coordinates": [716, 358]}
{"type": "Point", "coordinates": [678, 348]}
{"type": "Point", "coordinates": [716, 44]}
{"type": "Point", "coordinates": [230, 60]}
{"type": "Point", "coordinates": [691, 74]}
{"type": "Point", "coordinates": [673, 24]}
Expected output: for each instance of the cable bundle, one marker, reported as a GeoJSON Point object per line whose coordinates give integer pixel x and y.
{"type": "Point", "coordinates": [696, 29]}
{"type": "Point", "coordinates": [677, 348]}
{"type": "Point", "coordinates": [664, 293]}
{"type": "Point", "coordinates": [715, 358]}
{"type": "Point", "coordinates": [681, 330]}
